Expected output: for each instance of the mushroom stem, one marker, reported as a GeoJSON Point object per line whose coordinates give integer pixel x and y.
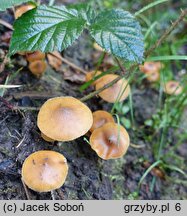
{"type": "Point", "coordinates": [53, 195]}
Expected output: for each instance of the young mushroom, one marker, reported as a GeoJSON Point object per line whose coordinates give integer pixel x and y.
{"type": "Point", "coordinates": [64, 118]}
{"type": "Point", "coordinates": [153, 76]}
{"type": "Point", "coordinates": [100, 118]}
{"type": "Point", "coordinates": [173, 88]}
{"type": "Point", "coordinates": [110, 141]}
{"type": "Point", "coordinates": [44, 171]}
{"type": "Point", "coordinates": [148, 67]}
{"type": "Point", "coordinates": [119, 91]}
{"type": "Point", "coordinates": [38, 67]}
{"type": "Point", "coordinates": [35, 56]}
{"type": "Point", "coordinates": [23, 9]}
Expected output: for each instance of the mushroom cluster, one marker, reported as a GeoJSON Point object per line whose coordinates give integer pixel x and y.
{"type": "Point", "coordinates": [152, 70]}
{"type": "Point", "coordinates": [108, 139]}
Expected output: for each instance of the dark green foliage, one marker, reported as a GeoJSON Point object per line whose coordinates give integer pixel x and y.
{"type": "Point", "coordinates": [55, 28]}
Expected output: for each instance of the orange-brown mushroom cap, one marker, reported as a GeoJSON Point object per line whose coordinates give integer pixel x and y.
{"type": "Point", "coordinates": [101, 117]}
{"type": "Point", "coordinates": [150, 67]}
{"type": "Point", "coordinates": [23, 9]}
{"type": "Point", "coordinates": [110, 141]}
{"type": "Point", "coordinates": [64, 118]}
{"type": "Point", "coordinates": [34, 56]}
{"type": "Point", "coordinates": [118, 91]}
{"type": "Point", "coordinates": [44, 171]}
{"type": "Point", "coordinates": [46, 138]}
{"type": "Point", "coordinates": [153, 76]}
{"type": "Point", "coordinates": [173, 88]}
{"type": "Point", "coordinates": [38, 67]}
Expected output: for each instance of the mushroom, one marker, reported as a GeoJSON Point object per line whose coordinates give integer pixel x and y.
{"type": "Point", "coordinates": [173, 88]}
{"type": "Point", "coordinates": [46, 138]}
{"type": "Point", "coordinates": [100, 118]}
{"type": "Point", "coordinates": [110, 141]}
{"type": "Point", "coordinates": [64, 118]}
{"type": "Point", "coordinates": [118, 91]}
{"type": "Point", "coordinates": [44, 171]}
{"type": "Point", "coordinates": [91, 75]}
{"type": "Point", "coordinates": [23, 9]}
{"type": "Point", "coordinates": [153, 76]}
{"type": "Point", "coordinates": [38, 67]}
{"type": "Point", "coordinates": [150, 66]}
{"type": "Point", "coordinates": [35, 56]}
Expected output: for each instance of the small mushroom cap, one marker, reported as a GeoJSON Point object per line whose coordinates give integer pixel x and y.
{"type": "Point", "coordinates": [110, 141]}
{"type": "Point", "coordinates": [46, 138]}
{"type": "Point", "coordinates": [100, 118]}
{"type": "Point", "coordinates": [153, 76]}
{"type": "Point", "coordinates": [119, 90]}
{"type": "Point", "coordinates": [44, 171]}
{"type": "Point", "coordinates": [23, 9]}
{"type": "Point", "coordinates": [64, 118]}
{"type": "Point", "coordinates": [173, 88]}
{"type": "Point", "coordinates": [38, 67]}
{"type": "Point", "coordinates": [150, 67]}
{"type": "Point", "coordinates": [90, 75]}
{"type": "Point", "coordinates": [35, 56]}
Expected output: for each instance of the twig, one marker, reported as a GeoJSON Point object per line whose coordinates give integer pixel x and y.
{"type": "Point", "coordinates": [35, 95]}
{"type": "Point", "coordinates": [6, 24]}
{"type": "Point", "coordinates": [18, 108]}
{"type": "Point", "coordinates": [69, 63]}
{"type": "Point", "coordinates": [121, 66]}
{"type": "Point", "coordinates": [26, 190]}
{"type": "Point", "coordinates": [166, 33]}
{"type": "Point", "coordinates": [2, 66]}
{"type": "Point", "coordinates": [137, 146]}
{"type": "Point", "coordinates": [147, 53]}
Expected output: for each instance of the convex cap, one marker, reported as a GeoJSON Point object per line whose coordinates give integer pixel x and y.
{"type": "Point", "coordinates": [110, 141]}
{"type": "Point", "coordinates": [44, 171]}
{"type": "Point", "coordinates": [119, 90]}
{"type": "Point", "coordinates": [64, 118]}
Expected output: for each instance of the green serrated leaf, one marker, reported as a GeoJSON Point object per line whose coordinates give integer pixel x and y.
{"type": "Point", "coordinates": [119, 33]}
{"type": "Point", "coordinates": [4, 4]}
{"type": "Point", "coordinates": [46, 29]}
{"type": "Point", "coordinates": [85, 11]}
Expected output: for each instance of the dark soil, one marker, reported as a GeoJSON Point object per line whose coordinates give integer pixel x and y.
{"type": "Point", "coordinates": [89, 176]}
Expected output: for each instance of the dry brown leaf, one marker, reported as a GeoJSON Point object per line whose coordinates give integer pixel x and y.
{"type": "Point", "coordinates": [54, 60]}
{"type": "Point", "coordinates": [72, 75]}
